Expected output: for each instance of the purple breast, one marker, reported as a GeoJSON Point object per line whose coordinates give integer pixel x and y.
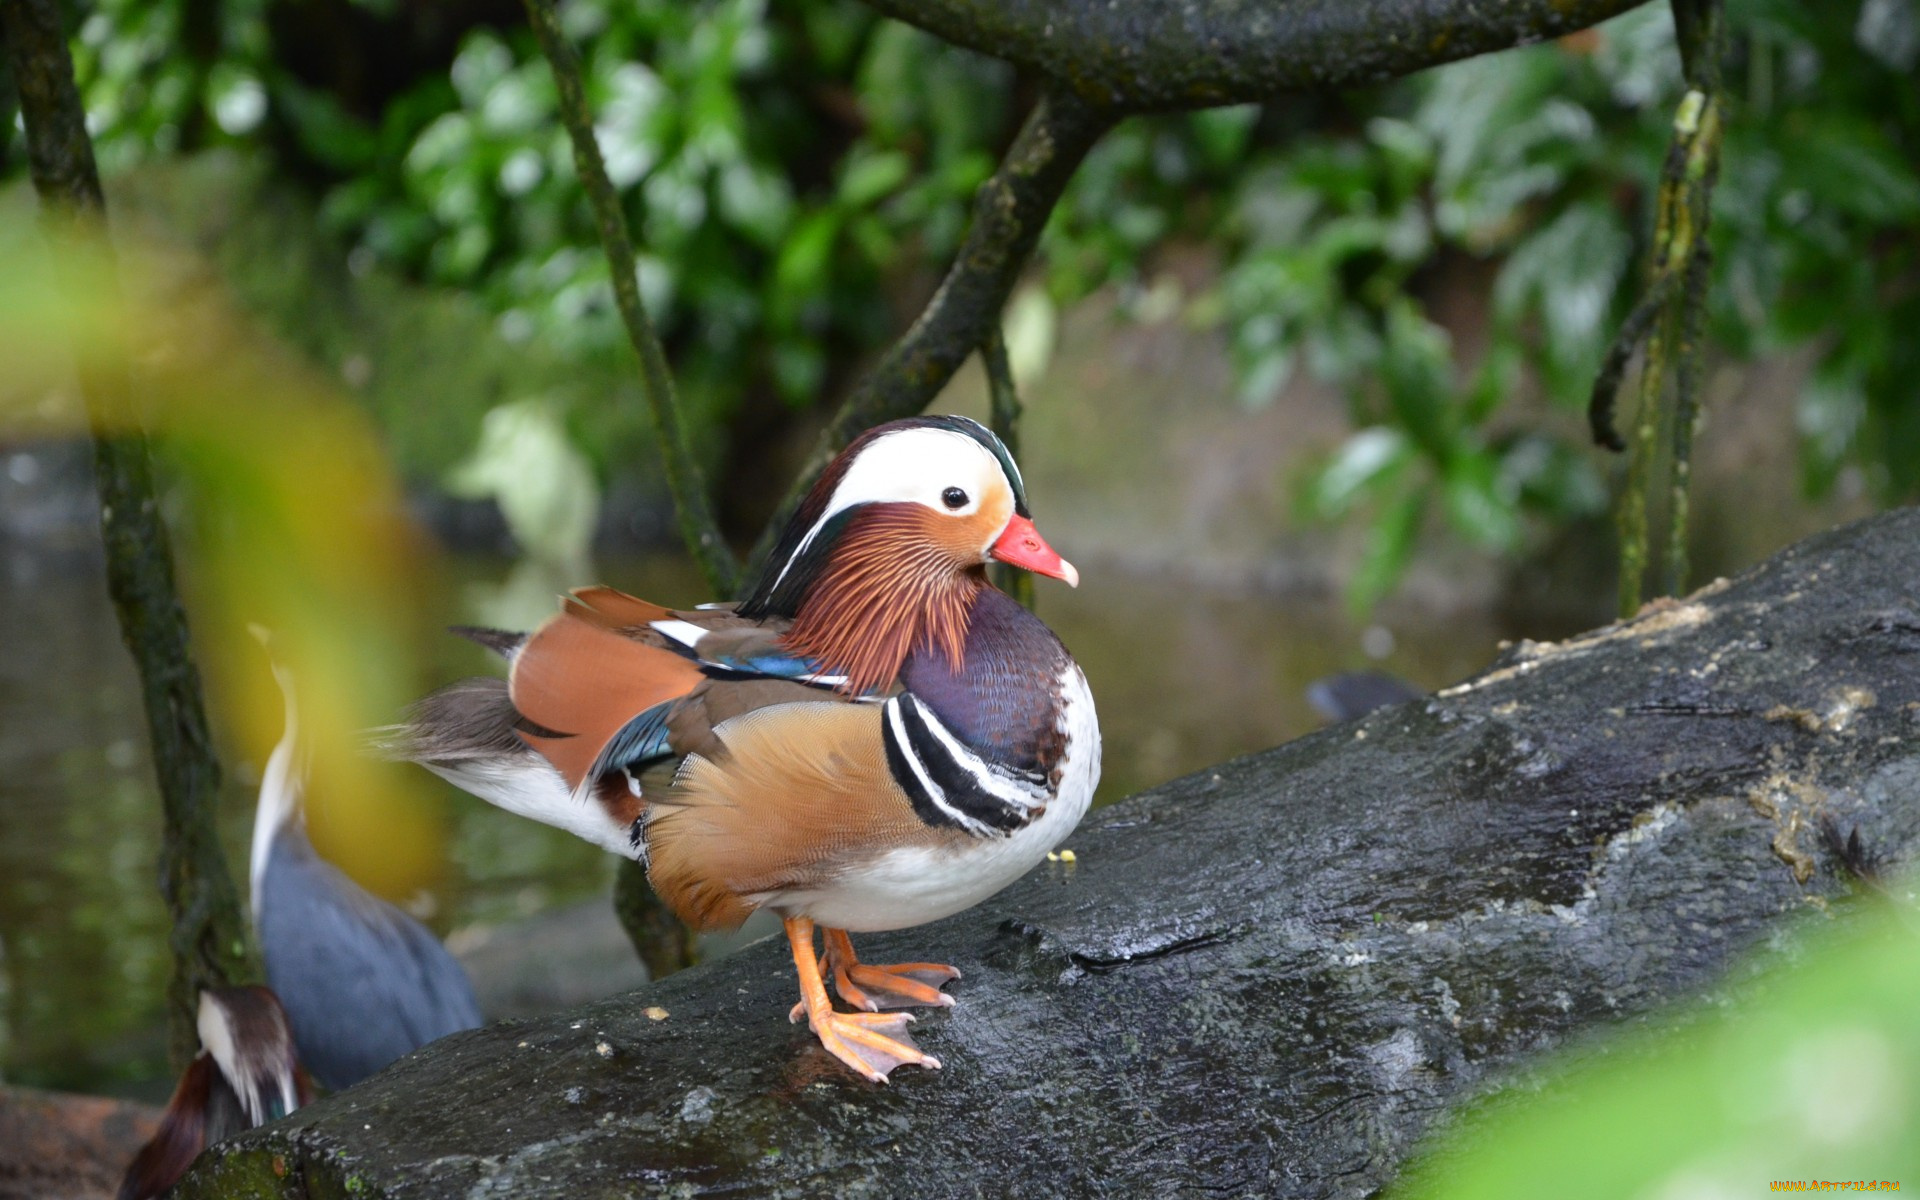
{"type": "Point", "coordinates": [1004, 702]}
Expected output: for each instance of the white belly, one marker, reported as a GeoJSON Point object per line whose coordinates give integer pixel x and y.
{"type": "Point", "coordinates": [915, 885]}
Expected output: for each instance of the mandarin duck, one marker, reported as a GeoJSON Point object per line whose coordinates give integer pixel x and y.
{"type": "Point", "coordinates": [246, 1074]}
{"type": "Point", "coordinates": [873, 739]}
{"type": "Point", "coordinates": [362, 982]}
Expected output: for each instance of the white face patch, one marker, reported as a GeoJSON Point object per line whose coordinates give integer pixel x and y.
{"type": "Point", "coordinates": [915, 465]}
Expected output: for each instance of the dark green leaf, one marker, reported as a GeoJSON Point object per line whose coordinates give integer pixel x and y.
{"type": "Point", "coordinates": [1389, 547]}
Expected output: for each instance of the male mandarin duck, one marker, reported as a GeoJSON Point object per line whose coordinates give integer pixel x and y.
{"type": "Point", "coordinates": [874, 739]}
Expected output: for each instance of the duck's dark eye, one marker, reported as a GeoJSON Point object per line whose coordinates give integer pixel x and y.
{"type": "Point", "coordinates": [953, 498]}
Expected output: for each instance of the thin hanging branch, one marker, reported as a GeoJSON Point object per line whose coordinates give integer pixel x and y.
{"type": "Point", "coordinates": [1009, 212]}
{"type": "Point", "coordinates": [1701, 25]}
{"type": "Point", "coordinates": [1674, 310]}
{"type": "Point", "coordinates": [1606, 384]}
{"type": "Point", "coordinates": [208, 939]}
{"type": "Point", "coordinates": [663, 941]}
{"type": "Point", "coordinates": [1004, 400]}
{"type": "Point", "coordinates": [1690, 327]}
{"type": "Point", "coordinates": [684, 478]}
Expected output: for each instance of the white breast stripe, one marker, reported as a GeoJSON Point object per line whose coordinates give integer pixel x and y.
{"type": "Point", "coordinates": [929, 788]}
{"type": "Point", "coordinates": [685, 632]}
{"type": "Point", "coordinates": [912, 885]}
{"type": "Point", "coordinates": [991, 781]}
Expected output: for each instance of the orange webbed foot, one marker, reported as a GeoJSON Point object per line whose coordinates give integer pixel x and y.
{"type": "Point", "coordinates": [871, 1043]}
{"type": "Point", "coordinates": [872, 987]}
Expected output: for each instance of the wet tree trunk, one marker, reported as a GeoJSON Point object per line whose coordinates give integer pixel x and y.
{"type": "Point", "coordinates": [1269, 978]}
{"type": "Point", "coordinates": [208, 938]}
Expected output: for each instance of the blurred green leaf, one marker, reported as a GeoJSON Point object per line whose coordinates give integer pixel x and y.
{"type": "Point", "coordinates": [1030, 326]}
{"type": "Point", "coordinates": [1417, 376]}
{"type": "Point", "coordinates": [869, 177]}
{"type": "Point", "coordinates": [1845, 162]}
{"type": "Point", "coordinates": [1389, 546]}
{"type": "Point", "coordinates": [756, 200]}
{"type": "Point", "coordinates": [1890, 31]}
{"type": "Point", "coordinates": [545, 488]}
{"type": "Point", "coordinates": [1551, 477]}
{"type": "Point", "coordinates": [1830, 414]}
{"type": "Point", "coordinates": [484, 60]}
{"type": "Point", "coordinates": [237, 98]}
{"type": "Point", "coordinates": [798, 366]}
{"type": "Point", "coordinates": [1264, 375]}
{"type": "Point", "coordinates": [1222, 133]}
{"type": "Point", "coordinates": [1811, 1073]}
{"type": "Point", "coordinates": [1367, 463]}
{"type": "Point", "coordinates": [1480, 503]}
{"type": "Point", "coordinates": [1567, 272]}
{"type": "Point", "coordinates": [328, 132]}
{"type": "Point", "coordinates": [802, 266]}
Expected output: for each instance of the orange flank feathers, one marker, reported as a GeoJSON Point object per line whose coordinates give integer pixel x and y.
{"type": "Point", "coordinates": [579, 681]}
{"type": "Point", "coordinates": [801, 793]}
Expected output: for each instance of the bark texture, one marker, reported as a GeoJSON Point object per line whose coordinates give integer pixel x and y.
{"type": "Point", "coordinates": [1266, 979]}
{"type": "Point", "coordinates": [1181, 54]}
{"type": "Point", "coordinates": [208, 936]}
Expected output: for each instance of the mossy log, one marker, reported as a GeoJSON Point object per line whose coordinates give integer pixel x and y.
{"type": "Point", "coordinates": [1270, 978]}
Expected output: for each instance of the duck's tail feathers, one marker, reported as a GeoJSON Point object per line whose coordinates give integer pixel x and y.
{"type": "Point", "coordinates": [504, 642]}
{"type": "Point", "coordinates": [470, 734]}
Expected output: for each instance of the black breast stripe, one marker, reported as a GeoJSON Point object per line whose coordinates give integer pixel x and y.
{"type": "Point", "coordinates": [945, 790]}
{"type": "Point", "coordinates": [919, 792]}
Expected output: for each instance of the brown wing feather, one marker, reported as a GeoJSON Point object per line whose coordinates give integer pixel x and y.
{"type": "Point", "coordinates": [691, 723]}
{"type": "Point", "coordinates": [742, 642]}
{"type": "Point", "coordinates": [613, 609]}
{"type": "Point", "coordinates": [796, 794]}
{"type": "Point", "coordinates": [579, 678]}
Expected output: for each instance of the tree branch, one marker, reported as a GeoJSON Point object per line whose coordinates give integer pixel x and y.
{"type": "Point", "coordinates": [684, 478]}
{"type": "Point", "coordinates": [1009, 212]}
{"type": "Point", "coordinates": [1702, 34]}
{"type": "Point", "coordinates": [1606, 382]}
{"type": "Point", "coordinates": [1677, 282]}
{"type": "Point", "coordinates": [663, 941]}
{"type": "Point", "coordinates": [209, 934]}
{"type": "Point", "coordinates": [1139, 54]}
{"type": "Point", "coordinates": [1004, 401]}
{"type": "Point", "coordinates": [1271, 978]}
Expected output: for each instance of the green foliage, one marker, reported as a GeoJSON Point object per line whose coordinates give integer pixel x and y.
{"type": "Point", "coordinates": [1813, 1074]}
{"type": "Point", "coordinates": [767, 222]}
{"type": "Point", "coordinates": [1541, 163]}
{"type": "Point", "coordinates": [784, 166]}
{"type": "Point", "coordinates": [793, 171]}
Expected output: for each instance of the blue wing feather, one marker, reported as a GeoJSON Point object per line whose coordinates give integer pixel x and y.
{"type": "Point", "coordinates": [641, 740]}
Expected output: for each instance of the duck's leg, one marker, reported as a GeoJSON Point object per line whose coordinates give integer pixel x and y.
{"type": "Point", "coordinates": [873, 987]}
{"type": "Point", "coordinates": [873, 1044]}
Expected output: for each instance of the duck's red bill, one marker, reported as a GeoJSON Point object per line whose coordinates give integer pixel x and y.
{"type": "Point", "coordinates": [1022, 546]}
